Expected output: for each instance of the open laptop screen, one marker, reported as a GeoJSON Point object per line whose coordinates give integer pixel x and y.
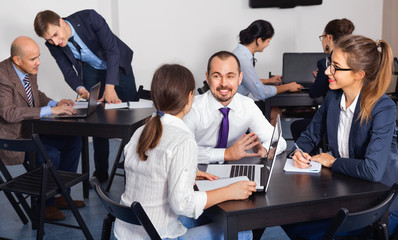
{"type": "Point", "coordinates": [299, 67]}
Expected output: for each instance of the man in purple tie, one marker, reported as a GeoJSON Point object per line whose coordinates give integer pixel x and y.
{"type": "Point", "coordinates": [20, 99]}
{"type": "Point", "coordinates": [227, 125]}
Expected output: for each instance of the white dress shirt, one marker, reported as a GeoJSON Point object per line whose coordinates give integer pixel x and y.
{"type": "Point", "coordinates": [204, 121]}
{"type": "Point", "coordinates": [163, 184]}
{"type": "Point", "coordinates": [343, 134]}
{"type": "Point", "coordinates": [251, 83]}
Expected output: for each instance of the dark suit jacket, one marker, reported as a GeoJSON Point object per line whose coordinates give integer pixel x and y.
{"type": "Point", "coordinates": [372, 145]}
{"type": "Point", "coordinates": [14, 108]}
{"type": "Point", "coordinates": [96, 34]}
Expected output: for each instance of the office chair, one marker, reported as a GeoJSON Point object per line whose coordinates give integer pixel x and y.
{"type": "Point", "coordinates": [134, 214]}
{"type": "Point", "coordinates": [20, 201]}
{"type": "Point", "coordinates": [42, 183]}
{"type": "Point", "coordinates": [143, 94]}
{"type": "Point", "coordinates": [204, 88]}
{"type": "Point", "coordinates": [369, 219]}
{"type": "Point", "coordinates": [119, 164]}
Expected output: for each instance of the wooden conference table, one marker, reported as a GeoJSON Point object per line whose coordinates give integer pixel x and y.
{"type": "Point", "coordinates": [293, 198]}
{"type": "Point", "coordinates": [115, 123]}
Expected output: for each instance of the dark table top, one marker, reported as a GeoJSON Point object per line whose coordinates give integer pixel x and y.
{"type": "Point", "coordinates": [298, 197]}
{"type": "Point", "coordinates": [113, 123]}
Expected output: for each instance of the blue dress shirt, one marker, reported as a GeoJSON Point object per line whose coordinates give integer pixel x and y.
{"type": "Point", "coordinates": [251, 83]}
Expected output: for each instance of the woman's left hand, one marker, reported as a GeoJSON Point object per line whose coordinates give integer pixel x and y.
{"type": "Point", "coordinates": [325, 159]}
{"type": "Point", "coordinates": [205, 176]}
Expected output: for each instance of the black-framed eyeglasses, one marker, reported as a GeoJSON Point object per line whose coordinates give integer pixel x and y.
{"type": "Point", "coordinates": [334, 68]}
{"type": "Point", "coordinates": [322, 37]}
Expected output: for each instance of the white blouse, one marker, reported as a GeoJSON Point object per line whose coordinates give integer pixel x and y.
{"type": "Point", "coordinates": [344, 129]}
{"type": "Point", "coordinates": [163, 184]}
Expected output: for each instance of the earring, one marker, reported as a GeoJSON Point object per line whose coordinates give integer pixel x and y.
{"type": "Point", "coordinates": [327, 48]}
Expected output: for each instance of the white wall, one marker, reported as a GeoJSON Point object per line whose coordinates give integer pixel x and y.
{"type": "Point", "coordinates": [188, 31]}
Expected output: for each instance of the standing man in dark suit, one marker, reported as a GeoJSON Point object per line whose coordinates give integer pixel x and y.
{"type": "Point", "coordinates": [20, 99]}
{"type": "Point", "coordinates": [87, 52]}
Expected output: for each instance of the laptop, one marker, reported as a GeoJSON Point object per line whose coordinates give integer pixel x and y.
{"type": "Point", "coordinates": [299, 67]}
{"type": "Point", "coordinates": [91, 106]}
{"type": "Point", "coordinates": [260, 173]}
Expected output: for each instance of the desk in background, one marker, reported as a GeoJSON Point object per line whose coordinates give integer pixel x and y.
{"type": "Point", "coordinates": [296, 99]}
{"type": "Point", "coordinates": [294, 198]}
{"type": "Point", "coordinates": [116, 123]}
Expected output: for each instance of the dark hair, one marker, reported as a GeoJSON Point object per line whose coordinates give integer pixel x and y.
{"type": "Point", "coordinates": [258, 29]}
{"type": "Point", "coordinates": [338, 28]}
{"type": "Point", "coordinates": [362, 54]}
{"type": "Point", "coordinates": [222, 55]}
{"type": "Point", "coordinates": [170, 88]}
{"type": "Point", "coordinates": [43, 19]}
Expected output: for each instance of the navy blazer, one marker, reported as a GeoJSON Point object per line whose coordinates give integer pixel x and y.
{"type": "Point", "coordinates": [372, 145]}
{"type": "Point", "coordinates": [98, 37]}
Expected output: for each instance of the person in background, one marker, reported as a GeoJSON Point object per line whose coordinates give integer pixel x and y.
{"type": "Point", "coordinates": [359, 120]}
{"type": "Point", "coordinates": [87, 52]}
{"type": "Point", "coordinates": [222, 103]}
{"type": "Point", "coordinates": [255, 38]}
{"type": "Point", "coordinates": [334, 30]}
{"type": "Point", "coordinates": [20, 99]}
{"type": "Point", "coordinates": [160, 166]}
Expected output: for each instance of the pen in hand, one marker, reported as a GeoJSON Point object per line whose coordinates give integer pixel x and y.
{"type": "Point", "coordinates": [302, 154]}
{"type": "Point", "coordinates": [77, 99]}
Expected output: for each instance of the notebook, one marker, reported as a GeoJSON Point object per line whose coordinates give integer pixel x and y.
{"type": "Point", "coordinates": [299, 67]}
{"type": "Point", "coordinates": [260, 173]}
{"type": "Point", "coordinates": [91, 106]}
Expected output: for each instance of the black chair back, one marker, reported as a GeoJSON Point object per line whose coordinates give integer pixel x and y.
{"type": "Point", "coordinates": [370, 218]}
{"type": "Point", "coordinates": [134, 214]}
{"type": "Point", "coordinates": [143, 94]}
{"type": "Point", "coordinates": [203, 89]}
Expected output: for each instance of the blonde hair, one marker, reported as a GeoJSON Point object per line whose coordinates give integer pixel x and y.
{"type": "Point", "coordinates": [363, 54]}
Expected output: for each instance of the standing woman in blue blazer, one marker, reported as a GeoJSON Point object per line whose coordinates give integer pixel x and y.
{"type": "Point", "coordinates": [359, 120]}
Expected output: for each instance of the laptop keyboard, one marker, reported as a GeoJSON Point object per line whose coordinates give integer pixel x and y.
{"type": "Point", "coordinates": [243, 170]}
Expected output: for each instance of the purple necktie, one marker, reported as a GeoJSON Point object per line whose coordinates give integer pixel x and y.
{"type": "Point", "coordinates": [28, 90]}
{"type": "Point", "coordinates": [224, 129]}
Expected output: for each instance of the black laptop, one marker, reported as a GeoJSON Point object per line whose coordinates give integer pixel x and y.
{"type": "Point", "coordinates": [260, 173]}
{"type": "Point", "coordinates": [91, 106]}
{"type": "Point", "coordinates": [299, 67]}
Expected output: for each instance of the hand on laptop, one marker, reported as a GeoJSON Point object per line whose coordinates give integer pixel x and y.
{"type": "Point", "coordinates": [205, 176]}
{"type": "Point", "coordinates": [238, 149]}
{"type": "Point", "coordinates": [294, 87]}
{"type": "Point", "coordinates": [66, 102]}
{"type": "Point", "coordinates": [63, 109]}
{"type": "Point", "coordinates": [241, 190]}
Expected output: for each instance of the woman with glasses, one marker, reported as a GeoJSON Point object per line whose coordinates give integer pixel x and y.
{"type": "Point", "coordinates": [333, 31]}
{"type": "Point", "coordinates": [255, 38]}
{"type": "Point", "coordinates": [359, 120]}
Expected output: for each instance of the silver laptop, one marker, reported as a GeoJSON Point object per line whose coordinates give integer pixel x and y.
{"type": "Point", "coordinates": [298, 67]}
{"type": "Point", "coordinates": [91, 106]}
{"type": "Point", "coordinates": [260, 173]}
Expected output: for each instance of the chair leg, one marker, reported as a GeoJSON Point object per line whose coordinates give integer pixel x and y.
{"type": "Point", "coordinates": [16, 207]}
{"type": "Point", "coordinates": [77, 215]}
{"type": "Point", "coordinates": [115, 166]}
{"type": "Point", "coordinates": [107, 227]}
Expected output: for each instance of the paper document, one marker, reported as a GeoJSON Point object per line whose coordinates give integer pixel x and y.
{"type": "Point", "coordinates": [82, 104]}
{"type": "Point", "coordinates": [207, 185]}
{"type": "Point", "coordinates": [116, 105]}
{"type": "Point", "coordinates": [289, 167]}
{"type": "Point", "coordinates": [142, 103]}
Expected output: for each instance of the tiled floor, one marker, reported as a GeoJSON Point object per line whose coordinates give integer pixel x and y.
{"type": "Point", "coordinates": [12, 228]}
